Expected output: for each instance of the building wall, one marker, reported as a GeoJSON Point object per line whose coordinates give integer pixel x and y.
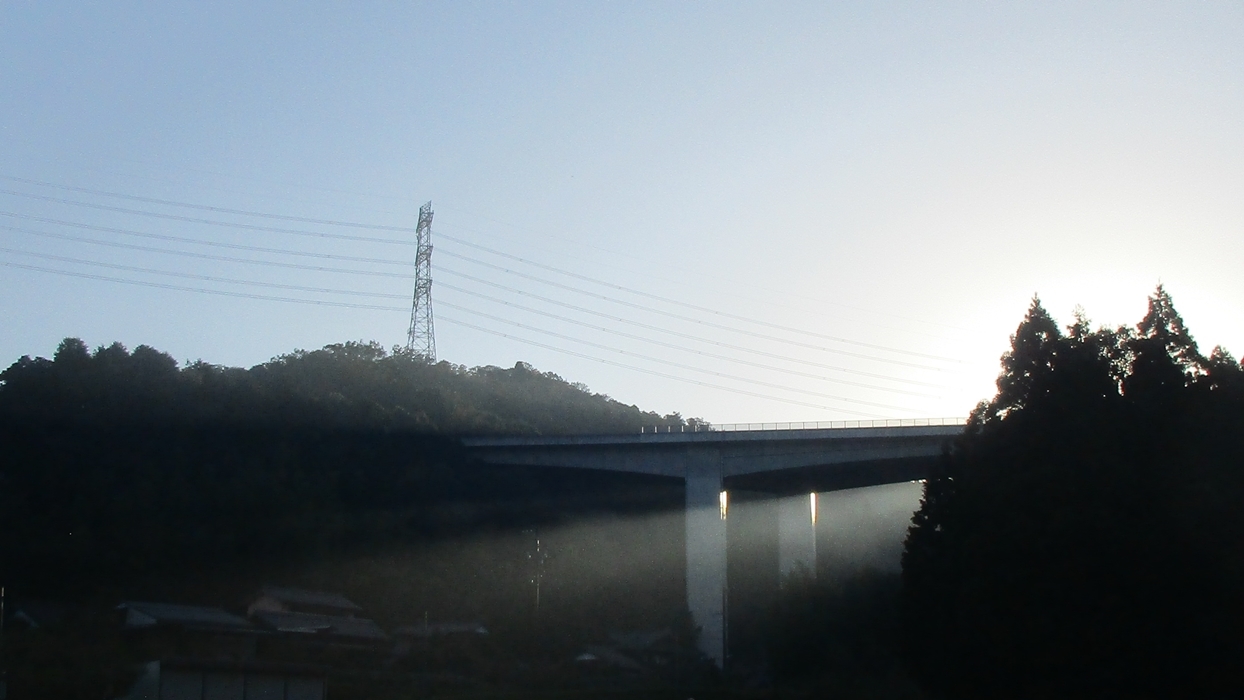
{"type": "Point", "coordinates": [157, 683]}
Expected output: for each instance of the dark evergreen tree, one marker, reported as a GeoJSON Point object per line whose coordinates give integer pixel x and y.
{"type": "Point", "coordinates": [1164, 358]}
{"type": "Point", "coordinates": [1077, 541]}
{"type": "Point", "coordinates": [119, 465]}
{"type": "Point", "coordinates": [125, 476]}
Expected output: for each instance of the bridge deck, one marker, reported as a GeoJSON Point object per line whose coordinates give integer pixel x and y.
{"type": "Point", "coordinates": [779, 460]}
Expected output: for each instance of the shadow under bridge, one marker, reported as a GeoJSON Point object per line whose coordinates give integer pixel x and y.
{"type": "Point", "coordinates": [777, 463]}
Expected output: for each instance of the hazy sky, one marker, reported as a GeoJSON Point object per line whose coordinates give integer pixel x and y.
{"type": "Point", "coordinates": [903, 176]}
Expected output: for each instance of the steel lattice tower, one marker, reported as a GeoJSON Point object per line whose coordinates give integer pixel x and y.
{"type": "Point", "coordinates": [421, 338]}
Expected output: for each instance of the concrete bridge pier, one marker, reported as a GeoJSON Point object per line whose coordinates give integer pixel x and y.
{"type": "Point", "coordinates": [763, 461]}
{"type": "Point", "coordinates": [706, 553]}
{"type": "Point", "coordinates": [797, 533]}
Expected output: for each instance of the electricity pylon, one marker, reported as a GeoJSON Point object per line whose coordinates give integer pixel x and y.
{"type": "Point", "coordinates": [421, 338]}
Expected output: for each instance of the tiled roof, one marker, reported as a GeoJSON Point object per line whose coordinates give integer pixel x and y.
{"type": "Point", "coordinates": [146, 614]}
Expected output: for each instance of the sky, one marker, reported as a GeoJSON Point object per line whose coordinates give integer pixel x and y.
{"type": "Point", "coordinates": [739, 211]}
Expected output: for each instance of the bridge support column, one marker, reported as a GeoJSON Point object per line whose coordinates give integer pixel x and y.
{"type": "Point", "coordinates": [706, 559]}
{"type": "Point", "coordinates": [797, 533]}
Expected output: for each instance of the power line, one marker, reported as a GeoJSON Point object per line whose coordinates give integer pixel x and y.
{"type": "Point", "coordinates": [513, 290]}
{"type": "Point", "coordinates": [282, 217]}
{"type": "Point", "coordinates": [204, 207]}
{"type": "Point", "coordinates": [372, 239]}
{"type": "Point", "coordinates": [323, 290]}
{"type": "Point", "coordinates": [205, 256]}
{"type": "Point", "coordinates": [657, 373]}
{"type": "Point", "coordinates": [247, 193]}
{"type": "Point", "coordinates": [206, 278]}
{"type": "Point", "coordinates": [217, 292]}
{"type": "Point", "coordinates": [727, 358]}
{"type": "Point", "coordinates": [688, 319]}
{"type": "Point", "coordinates": [209, 222]}
{"type": "Point", "coordinates": [670, 362]}
{"type": "Point", "coordinates": [476, 261]}
{"type": "Point", "coordinates": [265, 181]}
{"type": "Point", "coordinates": [694, 306]}
{"type": "Point", "coordinates": [613, 252]}
{"type": "Point", "coordinates": [679, 334]}
{"type": "Point", "coordinates": [197, 241]}
{"type": "Point", "coordinates": [460, 241]}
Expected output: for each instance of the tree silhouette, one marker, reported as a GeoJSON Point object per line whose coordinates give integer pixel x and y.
{"type": "Point", "coordinates": [120, 465]}
{"type": "Point", "coordinates": [1078, 540]}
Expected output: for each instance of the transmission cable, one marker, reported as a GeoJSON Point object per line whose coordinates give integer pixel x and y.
{"type": "Point", "coordinates": [197, 241]}
{"type": "Point", "coordinates": [207, 278]}
{"type": "Point", "coordinates": [673, 346]}
{"type": "Point", "coordinates": [455, 239]}
{"type": "Point", "coordinates": [689, 305]}
{"type": "Point", "coordinates": [322, 290]}
{"type": "Point", "coordinates": [674, 377]}
{"type": "Point", "coordinates": [218, 292]}
{"type": "Point", "coordinates": [206, 256]}
{"type": "Point", "coordinates": [203, 207]}
{"type": "Point", "coordinates": [490, 265]}
{"type": "Point", "coordinates": [688, 319]}
{"type": "Point", "coordinates": [209, 222]}
{"type": "Point", "coordinates": [265, 215]}
{"type": "Point", "coordinates": [679, 334]}
{"type": "Point", "coordinates": [619, 319]}
{"type": "Point", "coordinates": [671, 363]}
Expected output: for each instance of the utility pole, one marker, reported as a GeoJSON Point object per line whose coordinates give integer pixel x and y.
{"type": "Point", "coordinates": [421, 338]}
{"type": "Point", "coordinates": [539, 572]}
{"type": "Point", "coordinates": [537, 557]}
{"type": "Point", "coordinates": [4, 674]}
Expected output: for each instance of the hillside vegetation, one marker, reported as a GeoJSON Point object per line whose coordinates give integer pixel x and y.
{"type": "Point", "coordinates": [352, 385]}
{"type": "Point", "coordinates": [125, 474]}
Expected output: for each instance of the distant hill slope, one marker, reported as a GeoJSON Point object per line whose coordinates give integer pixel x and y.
{"type": "Point", "coordinates": [353, 385]}
{"type": "Point", "coordinates": [120, 468]}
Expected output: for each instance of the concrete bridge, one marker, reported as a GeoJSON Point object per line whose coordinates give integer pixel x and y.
{"type": "Point", "coordinates": [787, 464]}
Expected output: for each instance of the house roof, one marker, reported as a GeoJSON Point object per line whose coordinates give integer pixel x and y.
{"type": "Point", "coordinates": [36, 613]}
{"type": "Point", "coordinates": [306, 623]}
{"type": "Point", "coordinates": [147, 614]}
{"type": "Point", "coordinates": [319, 599]}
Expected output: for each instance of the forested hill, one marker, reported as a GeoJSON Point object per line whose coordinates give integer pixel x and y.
{"type": "Point", "coordinates": [121, 467]}
{"type": "Point", "coordinates": [353, 385]}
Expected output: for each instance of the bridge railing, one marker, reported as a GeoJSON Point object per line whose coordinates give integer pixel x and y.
{"type": "Point", "coordinates": [806, 425]}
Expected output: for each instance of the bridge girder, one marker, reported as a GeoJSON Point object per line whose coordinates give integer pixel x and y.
{"type": "Point", "coordinates": [777, 462]}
